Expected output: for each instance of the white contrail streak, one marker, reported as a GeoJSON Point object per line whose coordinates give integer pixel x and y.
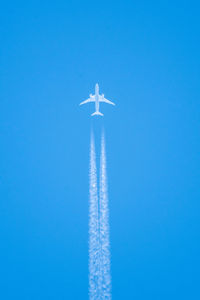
{"type": "Point", "coordinates": [105, 276]}
{"type": "Point", "coordinates": [93, 227]}
{"type": "Point", "coordinates": [99, 240]}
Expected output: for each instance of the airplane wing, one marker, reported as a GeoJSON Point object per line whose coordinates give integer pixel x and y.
{"type": "Point", "coordinates": [102, 99]}
{"type": "Point", "coordinates": [87, 101]}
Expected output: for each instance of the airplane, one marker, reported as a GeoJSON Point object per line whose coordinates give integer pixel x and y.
{"type": "Point", "coordinates": [97, 98]}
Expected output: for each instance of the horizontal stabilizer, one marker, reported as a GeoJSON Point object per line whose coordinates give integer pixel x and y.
{"type": "Point", "coordinates": [97, 113]}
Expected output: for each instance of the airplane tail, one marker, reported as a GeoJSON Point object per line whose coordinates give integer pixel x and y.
{"type": "Point", "coordinates": [97, 113]}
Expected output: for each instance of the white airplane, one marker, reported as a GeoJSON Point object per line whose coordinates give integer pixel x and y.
{"type": "Point", "coordinates": [97, 98]}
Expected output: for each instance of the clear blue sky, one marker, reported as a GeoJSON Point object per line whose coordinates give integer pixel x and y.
{"type": "Point", "coordinates": [145, 55]}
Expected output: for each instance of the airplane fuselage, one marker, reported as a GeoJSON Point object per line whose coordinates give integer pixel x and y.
{"type": "Point", "coordinates": [97, 97]}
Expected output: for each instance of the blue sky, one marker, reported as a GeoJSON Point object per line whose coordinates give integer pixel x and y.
{"type": "Point", "coordinates": [145, 57]}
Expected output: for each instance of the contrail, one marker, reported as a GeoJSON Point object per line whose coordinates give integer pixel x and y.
{"type": "Point", "coordinates": [105, 276]}
{"type": "Point", "coordinates": [99, 240]}
{"type": "Point", "coordinates": [93, 227]}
